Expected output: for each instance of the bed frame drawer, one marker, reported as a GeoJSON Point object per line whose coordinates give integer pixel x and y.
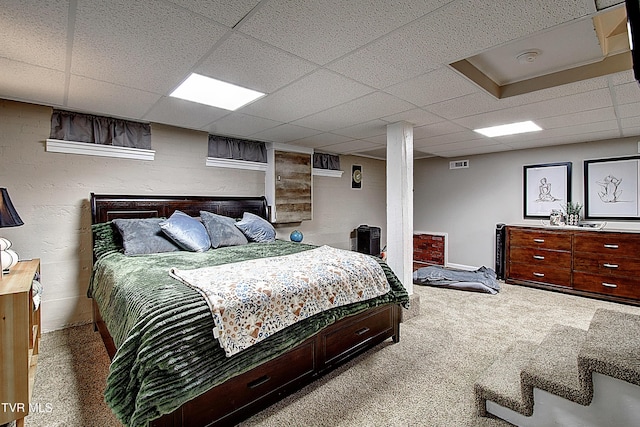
{"type": "Point", "coordinates": [278, 376]}
{"type": "Point", "coordinates": [340, 343]}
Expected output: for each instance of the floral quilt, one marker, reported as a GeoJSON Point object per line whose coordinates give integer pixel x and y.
{"type": "Point", "coordinates": [252, 300]}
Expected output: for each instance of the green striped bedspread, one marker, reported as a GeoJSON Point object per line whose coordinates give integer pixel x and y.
{"type": "Point", "coordinates": [162, 328]}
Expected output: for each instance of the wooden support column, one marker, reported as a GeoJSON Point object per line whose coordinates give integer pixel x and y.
{"type": "Point", "coordinates": [400, 202]}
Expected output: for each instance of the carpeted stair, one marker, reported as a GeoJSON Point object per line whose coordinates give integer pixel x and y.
{"type": "Point", "coordinates": [563, 363]}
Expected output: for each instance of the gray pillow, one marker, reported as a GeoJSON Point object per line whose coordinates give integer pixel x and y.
{"type": "Point", "coordinates": [222, 230]}
{"type": "Point", "coordinates": [187, 232]}
{"type": "Point", "coordinates": [142, 236]}
{"type": "Point", "coordinates": [256, 228]}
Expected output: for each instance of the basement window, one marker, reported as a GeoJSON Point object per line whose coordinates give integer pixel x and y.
{"type": "Point", "coordinates": [86, 134]}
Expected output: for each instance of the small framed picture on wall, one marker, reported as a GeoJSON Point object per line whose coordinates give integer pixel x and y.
{"type": "Point", "coordinates": [612, 188]}
{"type": "Point", "coordinates": [547, 187]}
{"type": "Point", "coordinates": [356, 177]}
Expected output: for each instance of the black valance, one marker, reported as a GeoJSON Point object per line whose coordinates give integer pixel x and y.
{"type": "Point", "coordinates": [79, 127]}
{"type": "Point", "coordinates": [223, 147]}
{"type": "Point", "coordinates": [326, 161]}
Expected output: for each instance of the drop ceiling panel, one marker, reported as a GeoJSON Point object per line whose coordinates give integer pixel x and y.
{"type": "Point", "coordinates": [249, 63]}
{"type": "Point", "coordinates": [322, 31]}
{"type": "Point", "coordinates": [112, 40]}
{"type": "Point", "coordinates": [285, 133]}
{"type": "Point", "coordinates": [433, 87]}
{"type": "Point", "coordinates": [468, 137]}
{"type": "Point", "coordinates": [364, 130]}
{"type": "Point", "coordinates": [554, 107]}
{"type": "Point", "coordinates": [415, 116]}
{"type": "Point", "coordinates": [579, 118]}
{"type": "Point", "coordinates": [558, 140]}
{"type": "Point", "coordinates": [473, 151]}
{"type": "Point", "coordinates": [320, 140]}
{"type": "Point", "coordinates": [352, 146]}
{"type": "Point", "coordinates": [627, 93]}
{"type": "Point", "coordinates": [192, 115]}
{"type": "Point", "coordinates": [376, 104]}
{"type": "Point", "coordinates": [226, 12]}
{"type": "Point", "coordinates": [311, 94]}
{"type": "Point", "coordinates": [91, 96]}
{"type": "Point", "coordinates": [436, 129]}
{"type": "Point", "coordinates": [24, 82]}
{"type": "Point", "coordinates": [241, 125]}
{"type": "Point", "coordinates": [34, 35]}
{"type": "Point", "coordinates": [628, 110]}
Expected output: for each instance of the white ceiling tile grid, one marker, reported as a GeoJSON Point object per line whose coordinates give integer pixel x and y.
{"type": "Point", "coordinates": [335, 73]}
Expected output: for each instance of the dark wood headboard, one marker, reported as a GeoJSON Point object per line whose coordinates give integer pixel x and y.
{"type": "Point", "coordinates": [107, 207]}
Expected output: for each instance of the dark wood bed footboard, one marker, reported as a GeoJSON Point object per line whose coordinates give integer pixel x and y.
{"type": "Point", "coordinates": [249, 393]}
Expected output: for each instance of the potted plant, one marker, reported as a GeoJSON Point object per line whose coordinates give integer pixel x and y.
{"type": "Point", "coordinates": [572, 213]}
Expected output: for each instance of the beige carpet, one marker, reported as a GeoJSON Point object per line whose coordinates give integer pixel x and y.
{"type": "Point", "coordinates": [427, 379]}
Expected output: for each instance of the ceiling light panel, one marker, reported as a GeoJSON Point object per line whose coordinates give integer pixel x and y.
{"type": "Point", "coordinates": [509, 129]}
{"type": "Point", "coordinates": [208, 91]}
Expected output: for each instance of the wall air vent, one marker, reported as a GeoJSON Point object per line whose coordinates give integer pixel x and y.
{"type": "Point", "coordinates": [459, 164]}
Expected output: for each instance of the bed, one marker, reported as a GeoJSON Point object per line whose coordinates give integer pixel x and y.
{"type": "Point", "coordinates": [167, 369]}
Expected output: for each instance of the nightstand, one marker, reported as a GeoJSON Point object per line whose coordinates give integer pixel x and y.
{"type": "Point", "coordinates": [19, 338]}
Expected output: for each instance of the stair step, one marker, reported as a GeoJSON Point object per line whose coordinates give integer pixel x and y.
{"type": "Point", "coordinates": [554, 365]}
{"type": "Point", "coordinates": [612, 346]}
{"type": "Point", "coordinates": [501, 382]}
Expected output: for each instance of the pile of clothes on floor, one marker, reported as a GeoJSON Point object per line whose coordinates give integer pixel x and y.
{"type": "Point", "coordinates": [481, 280]}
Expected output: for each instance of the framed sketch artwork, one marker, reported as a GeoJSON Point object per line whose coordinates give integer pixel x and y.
{"type": "Point", "coordinates": [611, 188]}
{"type": "Point", "coordinates": [547, 187]}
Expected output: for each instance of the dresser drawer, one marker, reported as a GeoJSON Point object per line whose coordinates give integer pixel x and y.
{"type": "Point", "coordinates": [608, 285]}
{"type": "Point", "coordinates": [342, 342]}
{"type": "Point", "coordinates": [627, 244]}
{"type": "Point", "coordinates": [540, 239]}
{"type": "Point", "coordinates": [605, 264]}
{"type": "Point", "coordinates": [540, 273]}
{"type": "Point", "coordinates": [536, 257]}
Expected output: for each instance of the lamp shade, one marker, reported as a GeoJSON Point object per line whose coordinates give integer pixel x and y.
{"type": "Point", "coordinates": [8, 215]}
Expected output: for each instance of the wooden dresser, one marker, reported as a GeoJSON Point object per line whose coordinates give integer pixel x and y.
{"type": "Point", "coordinates": [596, 263]}
{"type": "Point", "coordinates": [19, 339]}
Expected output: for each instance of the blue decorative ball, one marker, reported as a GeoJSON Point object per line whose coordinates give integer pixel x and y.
{"type": "Point", "coordinates": [296, 236]}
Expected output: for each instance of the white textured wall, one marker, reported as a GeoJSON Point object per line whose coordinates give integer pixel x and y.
{"type": "Point", "coordinates": [51, 193]}
{"type": "Point", "coordinates": [468, 203]}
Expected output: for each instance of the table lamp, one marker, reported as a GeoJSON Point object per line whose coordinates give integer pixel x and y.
{"type": "Point", "coordinates": [8, 218]}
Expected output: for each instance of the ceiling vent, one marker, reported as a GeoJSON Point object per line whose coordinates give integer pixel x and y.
{"type": "Point", "coordinates": [459, 164]}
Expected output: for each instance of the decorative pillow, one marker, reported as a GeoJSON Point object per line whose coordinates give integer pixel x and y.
{"type": "Point", "coordinates": [187, 232]}
{"type": "Point", "coordinates": [144, 236]}
{"type": "Point", "coordinates": [256, 228]}
{"type": "Point", "coordinates": [222, 230]}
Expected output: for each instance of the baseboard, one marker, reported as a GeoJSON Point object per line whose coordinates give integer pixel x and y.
{"type": "Point", "coordinates": [462, 267]}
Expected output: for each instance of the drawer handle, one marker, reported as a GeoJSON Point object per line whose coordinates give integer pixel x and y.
{"type": "Point", "coordinates": [257, 383]}
{"type": "Point", "coordinates": [362, 331]}
{"type": "Point", "coordinates": [611, 246]}
{"type": "Point", "coordinates": [609, 285]}
{"type": "Point", "coordinates": [538, 257]}
{"type": "Point", "coordinates": [538, 274]}
{"type": "Point", "coordinates": [610, 265]}
{"type": "Point", "coordinates": [538, 240]}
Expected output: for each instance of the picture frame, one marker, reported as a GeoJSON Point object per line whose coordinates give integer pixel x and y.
{"type": "Point", "coordinates": [612, 188]}
{"type": "Point", "coordinates": [547, 187]}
